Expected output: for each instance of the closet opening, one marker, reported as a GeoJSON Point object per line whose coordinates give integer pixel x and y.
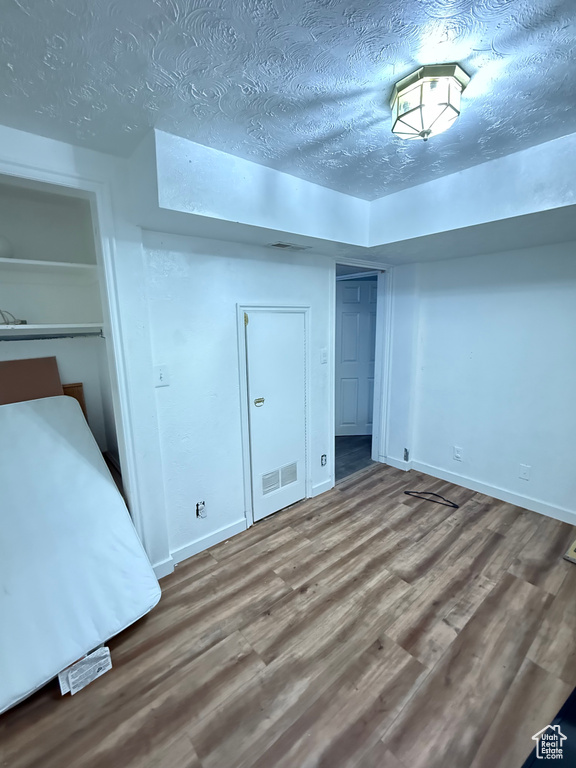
{"type": "Point", "coordinates": [52, 336]}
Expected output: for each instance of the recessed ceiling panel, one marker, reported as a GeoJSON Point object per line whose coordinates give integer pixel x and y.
{"type": "Point", "coordinates": [298, 85]}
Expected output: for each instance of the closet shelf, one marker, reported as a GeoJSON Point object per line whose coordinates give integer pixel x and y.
{"type": "Point", "coordinates": [44, 330]}
{"type": "Point", "coordinates": [51, 265]}
{"type": "Point", "coordinates": [26, 270]}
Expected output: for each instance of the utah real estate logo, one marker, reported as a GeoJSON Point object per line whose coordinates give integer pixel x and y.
{"type": "Point", "coordinates": [549, 743]}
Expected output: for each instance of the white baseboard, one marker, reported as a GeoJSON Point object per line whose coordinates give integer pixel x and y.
{"type": "Point", "coordinates": [208, 541]}
{"type": "Point", "coordinates": [164, 568]}
{"type": "Point", "coordinates": [322, 488]}
{"type": "Point", "coordinates": [535, 505]}
{"type": "Point", "coordinates": [398, 463]}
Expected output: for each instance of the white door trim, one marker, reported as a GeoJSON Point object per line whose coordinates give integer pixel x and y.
{"type": "Point", "coordinates": [382, 366]}
{"type": "Point", "coordinates": [381, 361]}
{"type": "Point", "coordinates": [364, 263]}
{"type": "Point", "coordinates": [244, 416]}
{"type": "Point", "coordinates": [357, 275]}
{"type": "Point", "coordinates": [98, 193]}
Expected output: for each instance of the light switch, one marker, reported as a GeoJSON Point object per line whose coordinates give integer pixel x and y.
{"type": "Point", "coordinates": [161, 376]}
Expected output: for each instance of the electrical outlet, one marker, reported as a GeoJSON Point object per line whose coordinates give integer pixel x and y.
{"type": "Point", "coordinates": [200, 509]}
{"type": "Point", "coordinates": [457, 453]}
{"type": "Point", "coordinates": [323, 460]}
{"type": "Point", "coordinates": [406, 454]}
{"type": "Point", "coordinates": [524, 471]}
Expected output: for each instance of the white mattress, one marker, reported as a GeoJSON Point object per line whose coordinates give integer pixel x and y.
{"type": "Point", "coordinates": [73, 572]}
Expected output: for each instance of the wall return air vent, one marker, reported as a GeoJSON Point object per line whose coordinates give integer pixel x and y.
{"type": "Point", "coordinates": [272, 481]}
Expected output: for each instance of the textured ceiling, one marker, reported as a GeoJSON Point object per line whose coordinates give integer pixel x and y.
{"type": "Point", "coordinates": [299, 85]}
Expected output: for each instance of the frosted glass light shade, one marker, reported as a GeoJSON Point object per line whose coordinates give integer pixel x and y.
{"type": "Point", "coordinates": [427, 102]}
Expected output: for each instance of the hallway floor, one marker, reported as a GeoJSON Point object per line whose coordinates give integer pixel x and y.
{"type": "Point", "coordinates": [353, 453]}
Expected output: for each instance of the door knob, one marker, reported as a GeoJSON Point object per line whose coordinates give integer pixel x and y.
{"type": "Point", "coordinates": [259, 402]}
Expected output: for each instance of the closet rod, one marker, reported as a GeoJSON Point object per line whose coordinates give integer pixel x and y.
{"type": "Point", "coordinates": [41, 337]}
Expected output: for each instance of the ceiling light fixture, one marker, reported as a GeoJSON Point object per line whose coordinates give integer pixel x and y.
{"type": "Point", "coordinates": [427, 102]}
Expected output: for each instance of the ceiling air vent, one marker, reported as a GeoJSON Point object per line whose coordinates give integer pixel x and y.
{"type": "Point", "coordinates": [289, 246]}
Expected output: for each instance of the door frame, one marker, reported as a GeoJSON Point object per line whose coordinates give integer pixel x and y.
{"type": "Point", "coordinates": [244, 412]}
{"type": "Point", "coordinates": [382, 367]}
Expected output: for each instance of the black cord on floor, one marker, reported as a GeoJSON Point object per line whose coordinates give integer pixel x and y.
{"type": "Point", "coordinates": [426, 494]}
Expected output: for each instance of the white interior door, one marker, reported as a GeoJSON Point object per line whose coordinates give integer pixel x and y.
{"type": "Point", "coordinates": [355, 352]}
{"type": "Point", "coordinates": [276, 370]}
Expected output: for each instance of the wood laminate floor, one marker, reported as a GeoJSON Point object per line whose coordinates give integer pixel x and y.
{"type": "Point", "coordinates": [361, 628]}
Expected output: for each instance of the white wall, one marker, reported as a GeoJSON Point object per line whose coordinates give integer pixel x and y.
{"type": "Point", "coordinates": [194, 287]}
{"type": "Point", "coordinates": [204, 181]}
{"type": "Point", "coordinates": [79, 359]}
{"type": "Point", "coordinates": [536, 179]}
{"type": "Point", "coordinates": [496, 374]}
{"type": "Point", "coordinates": [46, 227]}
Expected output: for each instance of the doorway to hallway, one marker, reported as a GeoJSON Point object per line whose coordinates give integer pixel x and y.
{"type": "Point", "coordinates": [355, 348]}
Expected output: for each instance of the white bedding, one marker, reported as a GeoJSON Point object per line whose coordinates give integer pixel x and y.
{"type": "Point", "coordinates": [73, 572]}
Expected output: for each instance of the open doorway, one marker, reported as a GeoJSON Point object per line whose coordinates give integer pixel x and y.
{"type": "Point", "coordinates": [355, 358]}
